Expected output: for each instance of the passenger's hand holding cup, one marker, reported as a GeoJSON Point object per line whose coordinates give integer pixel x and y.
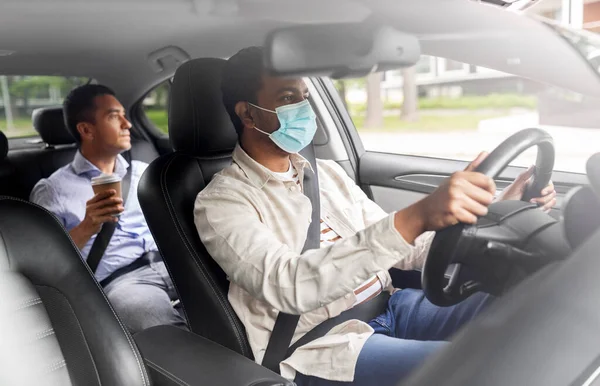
{"type": "Point", "coordinates": [105, 182]}
{"type": "Point", "coordinates": [106, 205]}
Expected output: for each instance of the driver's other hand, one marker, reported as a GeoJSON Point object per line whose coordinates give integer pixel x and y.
{"type": "Point", "coordinates": [463, 197]}
{"type": "Point", "coordinates": [477, 161]}
{"type": "Point", "coordinates": [515, 191]}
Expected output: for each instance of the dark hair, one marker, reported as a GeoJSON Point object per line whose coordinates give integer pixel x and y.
{"type": "Point", "coordinates": [241, 80]}
{"type": "Point", "coordinates": [79, 106]}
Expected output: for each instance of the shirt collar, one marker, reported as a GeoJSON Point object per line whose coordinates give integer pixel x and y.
{"type": "Point", "coordinates": [257, 173]}
{"type": "Point", "coordinates": [82, 165]}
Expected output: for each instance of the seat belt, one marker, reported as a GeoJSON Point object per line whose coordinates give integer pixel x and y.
{"type": "Point", "coordinates": [279, 347]}
{"type": "Point", "coordinates": [365, 311]}
{"type": "Point", "coordinates": [285, 324]}
{"type": "Point", "coordinates": [106, 233]}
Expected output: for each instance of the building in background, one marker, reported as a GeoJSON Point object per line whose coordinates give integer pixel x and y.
{"type": "Point", "coordinates": [443, 77]}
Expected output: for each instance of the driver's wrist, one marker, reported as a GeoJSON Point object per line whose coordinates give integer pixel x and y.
{"type": "Point", "coordinates": [410, 222]}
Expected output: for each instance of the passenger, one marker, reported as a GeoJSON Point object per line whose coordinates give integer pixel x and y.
{"type": "Point", "coordinates": [253, 219]}
{"type": "Point", "coordinates": [130, 270]}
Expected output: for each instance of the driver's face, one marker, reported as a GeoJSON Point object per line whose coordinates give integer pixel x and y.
{"type": "Point", "coordinates": [276, 92]}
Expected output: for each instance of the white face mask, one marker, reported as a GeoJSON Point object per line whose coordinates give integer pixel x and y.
{"type": "Point", "coordinates": [298, 125]}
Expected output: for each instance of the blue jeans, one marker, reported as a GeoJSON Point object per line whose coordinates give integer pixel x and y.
{"type": "Point", "coordinates": [408, 332]}
{"type": "Point", "coordinates": [142, 298]}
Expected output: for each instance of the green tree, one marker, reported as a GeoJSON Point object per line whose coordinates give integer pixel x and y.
{"type": "Point", "coordinates": [161, 96]}
{"type": "Point", "coordinates": [25, 88]}
{"type": "Point", "coordinates": [343, 85]}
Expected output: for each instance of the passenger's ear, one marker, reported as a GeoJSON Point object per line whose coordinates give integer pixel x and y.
{"type": "Point", "coordinates": [243, 112]}
{"type": "Point", "coordinates": [86, 131]}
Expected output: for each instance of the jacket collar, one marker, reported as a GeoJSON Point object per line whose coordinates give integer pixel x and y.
{"type": "Point", "coordinates": [257, 173]}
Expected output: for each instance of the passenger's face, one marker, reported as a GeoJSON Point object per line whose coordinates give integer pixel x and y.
{"type": "Point", "coordinates": [110, 128]}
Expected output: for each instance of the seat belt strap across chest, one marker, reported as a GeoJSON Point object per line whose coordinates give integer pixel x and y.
{"type": "Point", "coordinates": [285, 324]}
{"type": "Point", "coordinates": [106, 233]}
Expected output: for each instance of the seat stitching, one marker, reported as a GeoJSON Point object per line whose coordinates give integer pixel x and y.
{"type": "Point", "coordinates": [82, 334]}
{"type": "Point", "coordinates": [44, 334]}
{"type": "Point", "coordinates": [197, 260]}
{"type": "Point", "coordinates": [166, 373]}
{"type": "Point", "coordinates": [56, 366]}
{"type": "Point", "coordinates": [29, 303]}
{"type": "Point", "coordinates": [135, 354]}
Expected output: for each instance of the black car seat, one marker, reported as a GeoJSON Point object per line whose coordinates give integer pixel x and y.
{"type": "Point", "coordinates": [57, 150]}
{"type": "Point", "coordinates": [203, 138]}
{"type": "Point", "coordinates": [6, 169]}
{"type": "Point", "coordinates": [57, 326]}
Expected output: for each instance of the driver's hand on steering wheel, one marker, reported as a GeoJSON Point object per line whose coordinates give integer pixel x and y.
{"type": "Point", "coordinates": [463, 197]}
{"type": "Point", "coordinates": [515, 191]}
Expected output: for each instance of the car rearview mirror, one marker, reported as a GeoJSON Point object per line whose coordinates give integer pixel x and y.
{"type": "Point", "coordinates": [339, 50]}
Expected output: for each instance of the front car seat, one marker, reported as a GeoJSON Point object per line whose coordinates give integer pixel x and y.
{"type": "Point", "coordinates": [57, 326]}
{"type": "Point", "coordinates": [203, 138]}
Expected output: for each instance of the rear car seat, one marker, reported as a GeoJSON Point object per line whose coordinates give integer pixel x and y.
{"type": "Point", "coordinates": [31, 165]}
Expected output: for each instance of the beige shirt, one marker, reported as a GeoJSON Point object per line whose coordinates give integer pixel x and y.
{"type": "Point", "coordinates": [254, 224]}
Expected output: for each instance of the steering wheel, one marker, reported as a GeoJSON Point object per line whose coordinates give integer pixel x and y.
{"type": "Point", "coordinates": [542, 332]}
{"type": "Point", "coordinates": [460, 242]}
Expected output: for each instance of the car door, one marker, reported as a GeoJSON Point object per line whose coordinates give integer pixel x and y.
{"type": "Point", "coordinates": [400, 155]}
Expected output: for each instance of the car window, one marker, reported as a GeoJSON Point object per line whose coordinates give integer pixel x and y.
{"type": "Point", "coordinates": [20, 95]}
{"type": "Point", "coordinates": [446, 109]}
{"type": "Point", "coordinates": [156, 107]}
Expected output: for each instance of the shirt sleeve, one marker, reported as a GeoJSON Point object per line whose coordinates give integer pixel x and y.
{"type": "Point", "coordinates": [253, 258]}
{"type": "Point", "coordinates": [44, 195]}
{"type": "Point", "coordinates": [373, 213]}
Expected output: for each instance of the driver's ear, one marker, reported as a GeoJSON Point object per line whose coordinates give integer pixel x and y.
{"type": "Point", "coordinates": [243, 112]}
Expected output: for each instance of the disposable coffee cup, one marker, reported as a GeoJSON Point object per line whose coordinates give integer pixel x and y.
{"type": "Point", "coordinates": [106, 182]}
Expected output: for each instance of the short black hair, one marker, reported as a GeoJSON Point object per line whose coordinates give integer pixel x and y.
{"type": "Point", "coordinates": [79, 106]}
{"type": "Point", "coordinates": [241, 80]}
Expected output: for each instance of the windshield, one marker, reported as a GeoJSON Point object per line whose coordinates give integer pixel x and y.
{"type": "Point", "coordinates": [585, 42]}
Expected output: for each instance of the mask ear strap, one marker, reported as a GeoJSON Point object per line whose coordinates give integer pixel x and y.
{"type": "Point", "coordinates": [262, 108]}
{"type": "Point", "coordinates": [260, 131]}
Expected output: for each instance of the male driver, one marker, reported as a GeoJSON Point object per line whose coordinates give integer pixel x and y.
{"type": "Point", "coordinates": [253, 219]}
{"type": "Point", "coordinates": [131, 271]}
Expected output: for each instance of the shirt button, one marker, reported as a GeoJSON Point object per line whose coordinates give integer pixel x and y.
{"type": "Point", "coordinates": [348, 296]}
{"type": "Point", "coordinates": [357, 281]}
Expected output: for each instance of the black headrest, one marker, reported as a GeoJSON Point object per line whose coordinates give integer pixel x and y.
{"type": "Point", "coordinates": [3, 146]}
{"type": "Point", "coordinates": [49, 122]}
{"type": "Point", "coordinates": [198, 122]}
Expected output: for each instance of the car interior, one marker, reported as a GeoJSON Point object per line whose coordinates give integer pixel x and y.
{"type": "Point", "coordinates": [59, 326]}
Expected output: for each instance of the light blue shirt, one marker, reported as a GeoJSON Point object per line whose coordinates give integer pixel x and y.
{"type": "Point", "coordinates": [65, 194]}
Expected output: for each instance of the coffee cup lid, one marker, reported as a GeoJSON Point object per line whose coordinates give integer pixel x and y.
{"type": "Point", "coordinates": [105, 179]}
